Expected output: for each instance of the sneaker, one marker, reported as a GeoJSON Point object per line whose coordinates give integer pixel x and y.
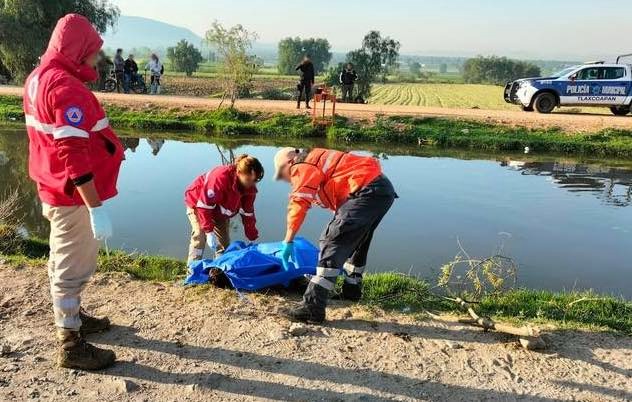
{"type": "Point", "coordinates": [91, 324]}
{"type": "Point", "coordinates": [75, 353]}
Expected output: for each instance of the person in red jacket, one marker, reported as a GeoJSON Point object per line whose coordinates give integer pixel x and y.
{"type": "Point", "coordinates": [215, 197]}
{"type": "Point", "coordinates": [355, 188]}
{"type": "Point", "coordinates": [74, 159]}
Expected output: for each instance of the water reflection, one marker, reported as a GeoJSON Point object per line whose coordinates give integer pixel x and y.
{"type": "Point", "coordinates": [569, 221]}
{"type": "Point", "coordinates": [613, 186]}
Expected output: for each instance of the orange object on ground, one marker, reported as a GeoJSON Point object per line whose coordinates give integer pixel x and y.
{"type": "Point", "coordinates": [321, 96]}
{"type": "Point", "coordinates": [327, 178]}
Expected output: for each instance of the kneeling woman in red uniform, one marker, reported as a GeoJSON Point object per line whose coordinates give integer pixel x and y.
{"type": "Point", "coordinates": [215, 197]}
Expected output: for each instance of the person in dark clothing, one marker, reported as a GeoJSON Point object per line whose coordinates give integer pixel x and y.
{"type": "Point", "coordinates": [348, 77]}
{"type": "Point", "coordinates": [306, 69]}
{"type": "Point", "coordinates": [104, 66]}
{"type": "Point", "coordinates": [119, 70]}
{"type": "Point", "coordinates": [131, 72]}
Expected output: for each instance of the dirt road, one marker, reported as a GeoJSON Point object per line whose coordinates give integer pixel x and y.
{"type": "Point", "coordinates": [177, 344]}
{"type": "Point", "coordinates": [567, 121]}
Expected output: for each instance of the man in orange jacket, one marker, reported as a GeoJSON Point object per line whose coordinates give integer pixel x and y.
{"type": "Point", "coordinates": [359, 194]}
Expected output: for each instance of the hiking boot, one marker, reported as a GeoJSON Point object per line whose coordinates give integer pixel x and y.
{"type": "Point", "coordinates": [307, 314]}
{"type": "Point", "coordinates": [74, 352]}
{"type": "Point", "coordinates": [91, 324]}
{"type": "Point", "coordinates": [352, 288]}
{"type": "Point", "coordinates": [312, 310]}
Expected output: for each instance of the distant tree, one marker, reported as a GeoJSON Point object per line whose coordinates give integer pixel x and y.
{"type": "Point", "coordinates": [443, 68]}
{"type": "Point", "coordinates": [292, 50]}
{"type": "Point", "coordinates": [237, 67]}
{"type": "Point", "coordinates": [373, 60]}
{"type": "Point", "coordinates": [415, 68]}
{"type": "Point", "coordinates": [184, 57]}
{"type": "Point", "coordinates": [497, 70]}
{"type": "Point", "coordinates": [26, 25]}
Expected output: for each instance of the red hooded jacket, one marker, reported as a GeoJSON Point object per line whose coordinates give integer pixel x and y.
{"type": "Point", "coordinates": [70, 139]}
{"type": "Point", "coordinates": [217, 195]}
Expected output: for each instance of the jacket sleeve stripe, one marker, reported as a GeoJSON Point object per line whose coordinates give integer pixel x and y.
{"type": "Point", "coordinates": [31, 121]}
{"type": "Point", "coordinates": [244, 213]}
{"type": "Point", "coordinates": [201, 204]}
{"type": "Point", "coordinates": [101, 125]}
{"type": "Point", "coordinates": [69, 131]}
{"type": "Point", "coordinates": [307, 196]}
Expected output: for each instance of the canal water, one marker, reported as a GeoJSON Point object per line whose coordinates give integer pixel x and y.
{"type": "Point", "coordinates": [568, 224]}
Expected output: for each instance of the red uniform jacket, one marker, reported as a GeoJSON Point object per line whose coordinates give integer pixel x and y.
{"type": "Point", "coordinates": [70, 139]}
{"type": "Point", "coordinates": [217, 195]}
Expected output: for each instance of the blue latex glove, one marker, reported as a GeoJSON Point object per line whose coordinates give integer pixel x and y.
{"type": "Point", "coordinates": [100, 222]}
{"type": "Point", "coordinates": [287, 252]}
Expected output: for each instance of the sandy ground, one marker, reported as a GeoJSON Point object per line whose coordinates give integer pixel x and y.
{"type": "Point", "coordinates": [178, 344]}
{"type": "Point", "coordinates": [570, 122]}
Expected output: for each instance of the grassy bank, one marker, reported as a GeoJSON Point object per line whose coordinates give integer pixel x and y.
{"type": "Point", "coordinates": [392, 291]}
{"type": "Point", "coordinates": [407, 131]}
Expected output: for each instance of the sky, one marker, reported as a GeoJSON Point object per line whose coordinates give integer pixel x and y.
{"type": "Point", "coordinates": [553, 29]}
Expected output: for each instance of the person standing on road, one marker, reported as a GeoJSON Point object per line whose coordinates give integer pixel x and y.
{"type": "Point", "coordinates": [347, 79]}
{"type": "Point", "coordinates": [119, 70]}
{"type": "Point", "coordinates": [359, 194]}
{"type": "Point", "coordinates": [74, 158]}
{"type": "Point", "coordinates": [155, 70]}
{"type": "Point", "coordinates": [104, 66]}
{"type": "Point", "coordinates": [215, 197]}
{"type": "Point", "coordinates": [131, 72]}
{"type": "Point", "coordinates": [306, 69]}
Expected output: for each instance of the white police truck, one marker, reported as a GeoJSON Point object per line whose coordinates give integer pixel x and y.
{"type": "Point", "coordinates": [590, 84]}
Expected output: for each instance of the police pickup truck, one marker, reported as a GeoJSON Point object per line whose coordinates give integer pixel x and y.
{"type": "Point", "coordinates": [590, 84]}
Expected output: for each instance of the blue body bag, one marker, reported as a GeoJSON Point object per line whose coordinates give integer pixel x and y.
{"type": "Point", "coordinates": [257, 266]}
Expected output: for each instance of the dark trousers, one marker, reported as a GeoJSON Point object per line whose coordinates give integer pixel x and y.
{"type": "Point", "coordinates": [347, 238]}
{"type": "Point", "coordinates": [304, 87]}
{"type": "Point", "coordinates": [347, 92]}
{"type": "Point", "coordinates": [120, 81]}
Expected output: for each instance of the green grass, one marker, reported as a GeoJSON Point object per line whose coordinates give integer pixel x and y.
{"type": "Point", "coordinates": [452, 95]}
{"type": "Point", "coordinates": [440, 95]}
{"type": "Point", "coordinates": [394, 291]}
{"type": "Point", "coordinates": [407, 131]}
{"type": "Point", "coordinates": [462, 134]}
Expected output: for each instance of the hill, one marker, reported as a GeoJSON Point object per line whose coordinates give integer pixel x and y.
{"type": "Point", "coordinates": [138, 32]}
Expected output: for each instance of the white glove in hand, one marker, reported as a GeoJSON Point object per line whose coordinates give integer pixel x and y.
{"type": "Point", "coordinates": [100, 222]}
{"type": "Point", "coordinates": [211, 241]}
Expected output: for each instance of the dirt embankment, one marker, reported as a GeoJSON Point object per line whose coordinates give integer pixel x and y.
{"type": "Point", "coordinates": [191, 344]}
{"type": "Point", "coordinates": [570, 122]}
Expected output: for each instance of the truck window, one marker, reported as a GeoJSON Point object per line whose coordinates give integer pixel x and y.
{"type": "Point", "coordinates": [611, 73]}
{"type": "Point", "coordinates": [590, 73]}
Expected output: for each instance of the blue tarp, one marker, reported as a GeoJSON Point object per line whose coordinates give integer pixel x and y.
{"type": "Point", "coordinates": [257, 266]}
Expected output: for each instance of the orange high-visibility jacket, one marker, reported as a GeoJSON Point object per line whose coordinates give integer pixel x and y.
{"type": "Point", "coordinates": [326, 178]}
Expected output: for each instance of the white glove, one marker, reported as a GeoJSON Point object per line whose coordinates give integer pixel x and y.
{"type": "Point", "coordinates": [211, 241]}
{"type": "Point", "coordinates": [100, 222]}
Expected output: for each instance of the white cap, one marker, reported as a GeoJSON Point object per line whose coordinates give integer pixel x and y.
{"type": "Point", "coordinates": [282, 157]}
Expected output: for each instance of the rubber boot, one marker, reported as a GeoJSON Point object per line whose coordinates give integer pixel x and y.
{"type": "Point", "coordinates": [312, 309]}
{"type": "Point", "coordinates": [91, 324]}
{"type": "Point", "coordinates": [74, 352]}
{"type": "Point", "coordinates": [298, 104]}
{"type": "Point", "coordinates": [352, 287]}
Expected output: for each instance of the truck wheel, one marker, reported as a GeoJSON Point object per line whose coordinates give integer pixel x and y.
{"type": "Point", "coordinates": [620, 110]}
{"type": "Point", "coordinates": [527, 108]}
{"type": "Point", "coordinates": [545, 102]}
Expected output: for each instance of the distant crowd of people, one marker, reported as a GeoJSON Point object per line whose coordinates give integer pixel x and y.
{"type": "Point", "coordinates": [304, 88]}
{"type": "Point", "coordinates": [125, 73]}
